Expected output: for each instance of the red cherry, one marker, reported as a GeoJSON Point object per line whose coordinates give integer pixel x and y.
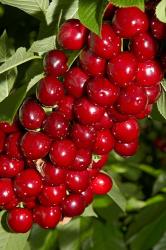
{"type": "Point", "coordinates": [99, 163]}
{"type": "Point", "coordinates": [77, 181]}
{"type": "Point", "coordinates": [10, 167]}
{"type": "Point", "coordinates": [29, 203]}
{"type": "Point", "coordinates": [153, 93]}
{"type": "Point", "coordinates": [28, 183]}
{"type": "Point", "coordinates": [73, 205]}
{"type": "Point", "coordinates": [109, 11]}
{"type": "Point", "coordinates": [101, 184]}
{"type": "Point", "coordinates": [6, 191]}
{"type": "Point", "coordinates": [115, 115]}
{"type": "Point", "coordinates": [55, 63]}
{"type": "Point", "coordinates": [12, 145]}
{"type": "Point", "coordinates": [91, 63]}
{"type": "Point", "coordinates": [82, 160]}
{"type": "Point", "coordinates": [50, 91]}
{"type": "Point", "coordinates": [31, 114]}
{"type": "Point", "coordinates": [35, 145]}
{"type": "Point", "coordinates": [101, 91]}
{"type": "Point", "coordinates": [108, 45]}
{"type": "Point", "coordinates": [65, 107]}
{"type": "Point", "coordinates": [87, 112]}
{"type": "Point", "coordinates": [20, 220]}
{"type": "Point", "coordinates": [9, 128]}
{"type": "Point", "coordinates": [87, 196]}
{"type": "Point", "coordinates": [104, 142]}
{"type": "Point", "coordinates": [14, 202]}
{"type": "Point", "coordinates": [158, 28]}
{"type": "Point", "coordinates": [63, 153]}
{"type": "Point", "coordinates": [72, 35]}
{"type": "Point", "coordinates": [2, 140]}
{"type": "Point", "coordinates": [130, 21]}
{"type": "Point", "coordinates": [126, 149]}
{"type": "Point", "coordinates": [145, 113]}
{"type": "Point", "coordinates": [51, 196]}
{"type": "Point", "coordinates": [74, 82]}
{"type": "Point", "coordinates": [105, 122]}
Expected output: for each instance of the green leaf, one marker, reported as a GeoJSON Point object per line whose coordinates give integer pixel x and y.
{"type": "Point", "coordinates": [72, 56]}
{"type": "Point", "coordinates": [160, 183]}
{"type": "Point", "coordinates": [124, 3]}
{"type": "Point", "coordinates": [35, 80]}
{"type": "Point", "coordinates": [43, 45]}
{"type": "Point", "coordinates": [89, 211]}
{"type": "Point", "coordinates": [161, 103]}
{"type": "Point", "coordinates": [161, 245]}
{"type": "Point", "coordinates": [161, 11]}
{"type": "Point", "coordinates": [91, 13]}
{"type": "Point", "coordinates": [6, 49]}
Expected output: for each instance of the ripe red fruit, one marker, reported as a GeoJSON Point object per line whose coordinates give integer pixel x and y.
{"type": "Point", "coordinates": [91, 63]}
{"type": "Point", "coordinates": [108, 45]}
{"type": "Point", "coordinates": [55, 63]}
{"type": "Point", "coordinates": [72, 35]}
{"type": "Point", "coordinates": [115, 115]}
{"type": "Point", "coordinates": [122, 69]}
{"type": "Point", "coordinates": [109, 11]}
{"type": "Point", "coordinates": [158, 28]}
{"type": "Point", "coordinates": [77, 181]}
{"type": "Point", "coordinates": [12, 145]}
{"type": "Point", "coordinates": [153, 92]}
{"type": "Point", "coordinates": [101, 91]}
{"type": "Point", "coordinates": [65, 107]}
{"type": "Point", "coordinates": [51, 196]}
{"type": "Point", "coordinates": [101, 184]}
{"type": "Point", "coordinates": [28, 183]}
{"type": "Point", "coordinates": [11, 204]}
{"type": "Point", "coordinates": [130, 21]}
{"type": "Point", "coordinates": [99, 163]}
{"type": "Point", "coordinates": [82, 160]}
{"type": "Point", "coordinates": [87, 112]}
{"type": "Point", "coordinates": [87, 196]}
{"type": "Point", "coordinates": [105, 122]}
{"type": "Point", "coordinates": [31, 114]}
{"type": "Point", "coordinates": [20, 220]}
{"type": "Point", "coordinates": [50, 91]}
{"type": "Point", "coordinates": [104, 142]}
{"type": "Point", "coordinates": [10, 167]}
{"type": "Point", "coordinates": [29, 203]}
{"type": "Point", "coordinates": [6, 191]}
{"type": "Point", "coordinates": [126, 131]}
{"type": "Point", "coordinates": [63, 153]}
{"type": "Point", "coordinates": [35, 145]}
{"type": "Point", "coordinates": [9, 128]}
{"type": "Point", "coordinates": [2, 140]}
{"type": "Point", "coordinates": [73, 205]}
{"type": "Point", "coordinates": [126, 149]}
{"type": "Point", "coordinates": [145, 113]}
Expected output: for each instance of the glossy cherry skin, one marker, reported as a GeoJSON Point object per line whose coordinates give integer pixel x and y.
{"type": "Point", "coordinates": [87, 196]}
{"type": "Point", "coordinates": [77, 181]}
{"type": "Point", "coordinates": [153, 93]}
{"type": "Point", "coordinates": [144, 47]}
{"type": "Point", "coordinates": [20, 220]}
{"type": "Point", "coordinates": [65, 107]}
{"type": "Point", "coordinates": [73, 205]}
{"type": "Point", "coordinates": [126, 131]}
{"type": "Point", "coordinates": [108, 45]}
{"type": "Point", "coordinates": [104, 142]}
{"type": "Point", "coordinates": [101, 91]}
{"type": "Point", "coordinates": [50, 91]}
{"type": "Point", "coordinates": [101, 184]}
{"type": "Point", "coordinates": [47, 217]}
{"type": "Point", "coordinates": [122, 69]}
{"type": "Point", "coordinates": [88, 112]}
{"type": "Point", "coordinates": [51, 196]}
{"type": "Point", "coordinates": [83, 136]}
{"type": "Point", "coordinates": [130, 21]}
{"type": "Point", "coordinates": [158, 28]}
{"type": "Point", "coordinates": [132, 100]}
{"type": "Point", "coordinates": [29, 203]}
{"type": "Point", "coordinates": [63, 153]}
{"type": "Point", "coordinates": [72, 35]}
{"type": "Point", "coordinates": [56, 126]}
{"type": "Point", "coordinates": [149, 73]}
{"type": "Point", "coordinates": [115, 115]}
{"type": "Point", "coordinates": [10, 167]}
{"type": "Point", "coordinates": [35, 145]}
{"type": "Point", "coordinates": [31, 114]}
{"type": "Point", "coordinates": [91, 63]}
{"type": "Point", "coordinates": [145, 113]}
{"type": "Point", "coordinates": [2, 140]}
{"type": "Point", "coordinates": [126, 149]}
{"type": "Point", "coordinates": [6, 191]}
{"type": "Point", "coordinates": [55, 63]}
{"type": "Point", "coordinates": [12, 145]}
{"type": "Point", "coordinates": [11, 204]}
{"type": "Point", "coordinates": [99, 163]}
{"type": "Point", "coordinates": [105, 122]}
{"type": "Point", "coordinates": [28, 183]}
{"type": "Point", "coordinates": [53, 175]}
{"type": "Point", "coordinates": [82, 160]}
{"type": "Point", "coordinates": [109, 11]}
{"type": "Point", "coordinates": [9, 128]}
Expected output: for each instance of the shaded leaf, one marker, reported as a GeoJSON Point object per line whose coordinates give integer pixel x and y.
{"type": "Point", "coordinates": [89, 211]}
{"type": "Point", "coordinates": [161, 245]}
{"type": "Point", "coordinates": [161, 103]}
{"type": "Point", "coordinates": [6, 48]}
{"type": "Point", "coordinates": [44, 45]}
{"type": "Point", "coordinates": [124, 3]}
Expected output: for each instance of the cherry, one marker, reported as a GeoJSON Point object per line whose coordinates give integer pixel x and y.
{"type": "Point", "coordinates": [35, 145]}
{"type": "Point", "coordinates": [28, 183]}
{"type": "Point", "coordinates": [109, 11]}
{"type": "Point", "coordinates": [126, 149]}
{"type": "Point", "coordinates": [9, 128]}
{"type": "Point", "coordinates": [126, 131]}
{"type": "Point", "coordinates": [72, 35]}
{"type": "Point", "coordinates": [29, 203]}
{"type": "Point", "coordinates": [82, 160]}
{"type": "Point", "coordinates": [2, 140]}
{"type": "Point", "coordinates": [99, 163]}
{"type": "Point", "coordinates": [65, 107]}
{"type": "Point", "coordinates": [6, 191]}
{"type": "Point", "coordinates": [115, 115]}
{"type": "Point", "coordinates": [87, 196]}
{"type": "Point", "coordinates": [132, 100]}
{"type": "Point", "coordinates": [105, 122]}
{"type": "Point", "coordinates": [130, 21]}
{"type": "Point", "coordinates": [122, 68]}
{"type": "Point", "coordinates": [73, 205]}
{"type": "Point", "coordinates": [158, 28]}
{"type": "Point", "coordinates": [144, 47]}
{"type": "Point", "coordinates": [83, 136]}
{"type": "Point", "coordinates": [101, 91]}
{"type": "Point", "coordinates": [93, 172]}
{"type": "Point", "coordinates": [50, 91]}
{"type": "Point", "coordinates": [51, 196]}
{"type": "Point", "coordinates": [153, 92]}
{"type": "Point", "coordinates": [149, 73]}
{"type": "Point", "coordinates": [150, 6]}
{"type": "Point", "coordinates": [91, 63]}
{"type": "Point", "coordinates": [55, 63]}
{"type": "Point", "coordinates": [20, 220]}
{"type": "Point", "coordinates": [12, 145]}
{"type": "Point", "coordinates": [63, 153]}
{"type": "Point", "coordinates": [163, 61]}
{"type": "Point", "coordinates": [47, 217]}
{"type": "Point", "coordinates": [56, 126]}
{"type": "Point", "coordinates": [31, 114]}
{"type": "Point", "coordinates": [10, 167]}
{"type": "Point", "coordinates": [77, 181]}
{"type": "Point", "coordinates": [87, 112]}
{"type": "Point", "coordinates": [145, 113]}
{"type": "Point", "coordinates": [104, 142]}
{"type": "Point", "coordinates": [101, 184]}
{"type": "Point", "coordinates": [108, 45]}
{"type": "Point", "coordinates": [11, 204]}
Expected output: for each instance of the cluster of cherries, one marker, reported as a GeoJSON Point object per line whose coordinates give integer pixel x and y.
{"type": "Point", "coordinates": [50, 164]}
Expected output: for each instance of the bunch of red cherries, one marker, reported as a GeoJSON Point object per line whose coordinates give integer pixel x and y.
{"type": "Point", "coordinates": [51, 157]}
